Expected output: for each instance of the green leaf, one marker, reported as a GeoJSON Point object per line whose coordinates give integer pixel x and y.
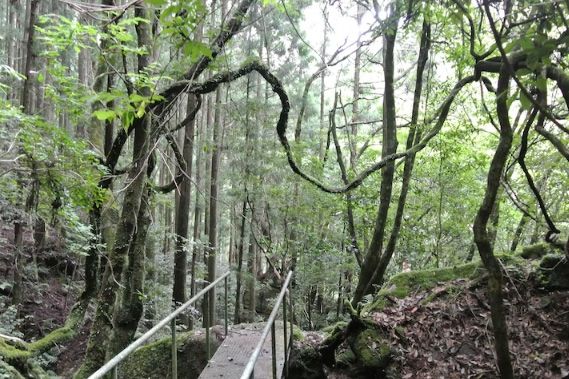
{"type": "Point", "coordinates": [141, 109]}
{"type": "Point", "coordinates": [136, 98]}
{"type": "Point", "coordinates": [157, 3]}
{"type": "Point", "coordinates": [127, 119]}
{"type": "Point", "coordinates": [104, 114]}
{"type": "Point", "coordinates": [525, 101]}
{"type": "Point", "coordinates": [194, 50]}
{"type": "Point", "coordinates": [541, 83]}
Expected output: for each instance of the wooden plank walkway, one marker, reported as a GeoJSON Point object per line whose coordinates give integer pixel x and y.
{"type": "Point", "coordinates": [230, 359]}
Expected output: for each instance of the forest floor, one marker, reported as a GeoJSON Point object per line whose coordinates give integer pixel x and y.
{"type": "Point", "coordinates": [47, 301]}
{"type": "Point", "coordinates": [446, 332]}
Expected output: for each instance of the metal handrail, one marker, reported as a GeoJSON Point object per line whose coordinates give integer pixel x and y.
{"type": "Point", "coordinates": [171, 318]}
{"type": "Point", "coordinates": [270, 327]}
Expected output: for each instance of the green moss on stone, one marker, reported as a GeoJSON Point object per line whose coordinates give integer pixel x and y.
{"type": "Point", "coordinates": [403, 284]}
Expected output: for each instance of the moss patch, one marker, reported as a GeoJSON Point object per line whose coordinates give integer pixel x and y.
{"type": "Point", "coordinates": [297, 334]}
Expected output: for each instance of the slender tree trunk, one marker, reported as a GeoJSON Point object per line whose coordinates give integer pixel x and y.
{"type": "Point", "coordinates": [196, 234]}
{"type": "Point", "coordinates": [239, 274]}
{"type": "Point", "coordinates": [518, 232]}
{"type": "Point", "coordinates": [482, 236]}
{"type": "Point", "coordinates": [251, 275]}
{"type": "Point", "coordinates": [212, 245]}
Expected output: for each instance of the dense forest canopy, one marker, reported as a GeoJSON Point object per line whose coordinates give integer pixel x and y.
{"type": "Point", "coordinates": [148, 146]}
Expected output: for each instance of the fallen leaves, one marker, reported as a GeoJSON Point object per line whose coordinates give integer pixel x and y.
{"type": "Point", "coordinates": [451, 336]}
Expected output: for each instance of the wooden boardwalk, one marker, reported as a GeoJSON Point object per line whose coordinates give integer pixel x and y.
{"type": "Point", "coordinates": [230, 359]}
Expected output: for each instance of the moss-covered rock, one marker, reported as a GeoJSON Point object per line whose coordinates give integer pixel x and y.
{"type": "Point", "coordinates": [536, 251]}
{"type": "Point", "coordinates": [371, 349]}
{"type": "Point", "coordinates": [154, 361]}
{"type": "Point", "coordinates": [305, 363]}
{"type": "Point", "coordinates": [553, 272]}
{"type": "Point", "coordinates": [401, 285]}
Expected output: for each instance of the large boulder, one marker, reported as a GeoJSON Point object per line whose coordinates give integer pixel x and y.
{"type": "Point", "coordinates": [305, 363]}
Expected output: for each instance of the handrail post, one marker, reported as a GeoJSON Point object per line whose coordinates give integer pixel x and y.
{"type": "Point", "coordinates": [291, 316]}
{"type": "Point", "coordinates": [116, 372]}
{"type": "Point", "coordinates": [274, 350]}
{"type": "Point", "coordinates": [174, 350]}
{"type": "Point", "coordinates": [285, 329]}
{"type": "Point", "coordinates": [206, 317]}
{"type": "Point", "coordinates": [226, 322]}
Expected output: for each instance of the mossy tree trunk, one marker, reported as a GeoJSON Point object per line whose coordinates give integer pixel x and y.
{"type": "Point", "coordinates": [128, 311]}
{"type": "Point", "coordinates": [102, 327]}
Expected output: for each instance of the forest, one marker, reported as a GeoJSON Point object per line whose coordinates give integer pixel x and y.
{"type": "Point", "coordinates": [395, 173]}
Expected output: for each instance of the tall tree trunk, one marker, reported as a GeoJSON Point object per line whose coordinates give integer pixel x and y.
{"type": "Point", "coordinates": [183, 208]}
{"type": "Point", "coordinates": [368, 275]}
{"type": "Point", "coordinates": [212, 241]}
{"type": "Point", "coordinates": [31, 201]}
{"type": "Point", "coordinates": [481, 234]}
{"type": "Point", "coordinates": [183, 211]}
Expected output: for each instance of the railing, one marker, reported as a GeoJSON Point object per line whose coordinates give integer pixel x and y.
{"type": "Point", "coordinates": [270, 327]}
{"type": "Point", "coordinates": [171, 318]}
